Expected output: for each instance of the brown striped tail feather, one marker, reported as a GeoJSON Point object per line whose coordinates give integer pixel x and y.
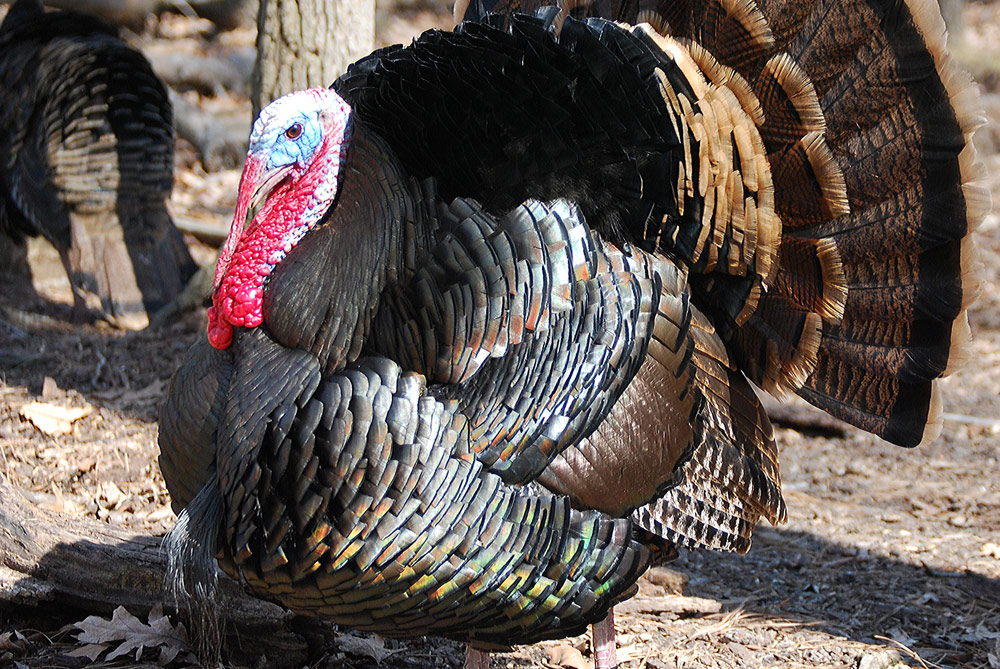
{"type": "Point", "coordinates": [866, 126]}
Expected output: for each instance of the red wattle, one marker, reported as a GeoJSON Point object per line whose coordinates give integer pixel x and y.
{"type": "Point", "coordinates": [220, 333]}
{"type": "Point", "coordinates": [251, 252]}
{"type": "Point", "coordinates": [238, 299]}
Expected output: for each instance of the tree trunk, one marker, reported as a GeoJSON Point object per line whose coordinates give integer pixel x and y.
{"type": "Point", "coordinates": [307, 43]}
{"type": "Point", "coordinates": [60, 564]}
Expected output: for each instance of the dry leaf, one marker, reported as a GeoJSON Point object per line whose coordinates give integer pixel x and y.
{"type": "Point", "coordinates": [110, 493]}
{"type": "Point", "coordinates": [631, 653]}
{"type": "Point", "coordinates": [979, 633]}
{"type": "Point", "coordinates": [746, 658]}
{"type": "Point", "coordinates": [91, 651]}
{"type": "Point", "coordinates": [54, 420]}
{"type": "Point", "coordinates": [564, 655]}
{"type": "Point", "coordinates": [901, 637]}
{"type": "Point", "coordinates": [372, 647]}
{"type": "Point", "coordinates": [880, 659]}
{"type": "Point", "coordinates": [163, 513]}
{"type": "Point", "coordinates": [135, 635]}
{"type": "Point", "coordinates": [9, 642]}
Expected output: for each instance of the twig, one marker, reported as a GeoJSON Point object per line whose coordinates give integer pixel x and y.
{"type": "Point", "coordinates": [911, 653]}
{"type": "Point", "coordinates": [12, 362]}
{"type": "Point", "coordinates": [27, 319]}
{"type": "Point", "coordinates": [15, 331]}
{"type": "Point", "coordinates": [100, 366]}
{"type": "Point", "coordinates": [970, 420]}
{"type": "Point", "coordinates": [885, 617]}
{"type": "Point", "coordinates": [728, 621]}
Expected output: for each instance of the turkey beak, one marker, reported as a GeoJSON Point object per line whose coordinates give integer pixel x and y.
{"type": "Point", "coordinates": [267, 181]}
{"type": "Point", "coordinates": [252, 170]}
{"type": "Point", "coordinates": [249, 180]}
{"type": "Point", "coordinates": [256, 183]}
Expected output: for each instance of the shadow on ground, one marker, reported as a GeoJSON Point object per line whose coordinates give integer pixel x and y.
{"type": "Point", "coordinates": [949, 618]}
{"type": "Point", "coordinates": [795, 600]}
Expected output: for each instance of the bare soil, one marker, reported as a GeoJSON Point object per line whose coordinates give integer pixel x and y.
{"type": "Point", "coordinates": [890, 557]}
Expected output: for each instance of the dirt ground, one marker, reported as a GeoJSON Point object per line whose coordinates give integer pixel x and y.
{"type": "Point", "coordinates": [890, 557]}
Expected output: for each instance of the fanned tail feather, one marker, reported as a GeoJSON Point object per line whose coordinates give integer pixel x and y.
{"type": "Point", "coordinates": [905, 244]}
{"type": "Point", "coordinates": [866, 124]}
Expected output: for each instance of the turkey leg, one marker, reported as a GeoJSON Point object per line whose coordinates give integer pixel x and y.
{"type": "Point", "coordinates": [476, 659]}
{"type": "Point", "coordinates": [604, 643]}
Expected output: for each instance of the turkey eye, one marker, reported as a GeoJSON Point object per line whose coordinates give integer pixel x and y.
{"type": "Point", "coordinates": [294, 132]}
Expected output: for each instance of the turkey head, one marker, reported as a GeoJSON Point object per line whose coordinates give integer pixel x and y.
{"type": "Point", "coordinates": [289, 181]}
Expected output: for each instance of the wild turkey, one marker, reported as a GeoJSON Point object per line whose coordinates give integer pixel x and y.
{"type": "Point", "coordinates": [86, 160]}
{"type": "Point", "coordinates": [484, 331]}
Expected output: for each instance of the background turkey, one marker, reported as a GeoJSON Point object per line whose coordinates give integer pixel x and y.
{"type": "Point", "coordinates": [485, 326]}
{"type": "Point", "coordinates": [86, 160]}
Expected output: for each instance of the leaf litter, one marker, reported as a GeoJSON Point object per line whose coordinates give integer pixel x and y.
{"type": "Point", "coordinates": [125, 635]}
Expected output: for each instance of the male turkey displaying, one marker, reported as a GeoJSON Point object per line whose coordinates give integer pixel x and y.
{"type": "Point", "coordinates": [86, 160]}
{"type": "Point", "coordinates": [485, 329]}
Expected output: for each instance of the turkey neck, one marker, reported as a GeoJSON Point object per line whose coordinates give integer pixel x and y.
{"type": "Point", "coordinates": [322, 296]}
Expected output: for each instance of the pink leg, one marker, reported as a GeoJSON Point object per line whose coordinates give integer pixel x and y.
{"type": "Point", "coordinates": [604, 643]}
{"type": "Point", "coordinates": [476, 659]}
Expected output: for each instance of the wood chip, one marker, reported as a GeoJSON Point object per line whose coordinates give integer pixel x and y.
{"type": "Point", "coordinates": [54, 420]}
{"type": "Point", "coordinates": [50, 389]}
{"type": "Point", "coordinates": [565, 655]}
{"type": "Point", "coordinates": [668, 579]}
{"type": "Point", "coordinates": [372, 647]}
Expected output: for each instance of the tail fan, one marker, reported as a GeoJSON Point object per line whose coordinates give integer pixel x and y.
{"type": "Point", "coordinates": [865, 123]}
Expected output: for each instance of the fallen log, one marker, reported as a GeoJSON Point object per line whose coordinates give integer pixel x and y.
{"type": "Point", "coordinates": [212, 233]}
{"type": "Point", "coordinates": [225, 14]}
{"type": "Point", "coordinates": [796, 414]}
{"type": "Point", "coordinates": [678, 605]}
{"type": "Point", "coordinates": [221, 140]}
{"type": "Point", "coordinates": [56, 562]}
{"type": "Point", "coordinates": [209, 75]}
